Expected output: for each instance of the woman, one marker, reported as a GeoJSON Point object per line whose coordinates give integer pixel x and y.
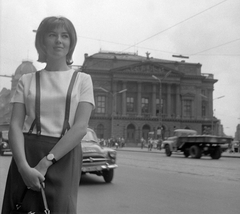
{"type": "Point", "coordinates": [46, 127]}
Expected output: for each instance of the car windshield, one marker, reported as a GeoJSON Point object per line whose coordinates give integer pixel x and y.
{"type": "Point", "coordinates": [90, 137]}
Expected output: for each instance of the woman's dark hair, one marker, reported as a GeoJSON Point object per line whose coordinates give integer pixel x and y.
{"type": "Point", "coordinates": [46, 26]}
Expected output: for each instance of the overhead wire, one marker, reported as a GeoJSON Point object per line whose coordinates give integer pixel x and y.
{"type": "Point", "coordinates": [197, 14]}
{"type": "Point", "coordinates": [169, 52]}
{"type": "Point", "coordinates": [111, 42]}
{"type": "Point", "coordinates": [215, 47]}
{"type": "Point", "coordinates": [117, 43]}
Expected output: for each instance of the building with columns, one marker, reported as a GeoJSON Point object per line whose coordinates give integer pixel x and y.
{"type": "Point", "coordinates": [137, 95]}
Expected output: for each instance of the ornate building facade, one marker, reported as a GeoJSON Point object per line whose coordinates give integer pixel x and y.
{"type": "Point", "coordinates": [138, 95]}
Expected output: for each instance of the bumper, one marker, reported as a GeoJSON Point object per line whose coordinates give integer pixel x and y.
{"type": "Point", "coordinates": [99, 167]}
{"type": "Point", "coordinates": [2, 151]}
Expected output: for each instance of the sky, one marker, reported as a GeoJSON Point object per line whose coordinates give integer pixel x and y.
{"type": "Point", "coordinates": [207, 31]}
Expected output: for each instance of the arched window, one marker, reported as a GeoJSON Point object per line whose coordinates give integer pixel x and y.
{"type": "Point", "coordinates": [145, 131]}
{"type": "Point", "coordinates": [100, 131]}
{"type": "Point", "coordinates": [131, 133]}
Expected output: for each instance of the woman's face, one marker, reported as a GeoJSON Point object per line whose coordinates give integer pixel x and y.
{"type": "Point", "coordinates": [57, 43]}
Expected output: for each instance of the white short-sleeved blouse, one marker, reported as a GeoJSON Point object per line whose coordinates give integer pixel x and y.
{"type": "Point", "coordinates": [53, 90]}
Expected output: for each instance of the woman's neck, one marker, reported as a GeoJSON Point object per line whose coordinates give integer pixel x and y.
{"type": "Point", "coordinates": [57, 66]}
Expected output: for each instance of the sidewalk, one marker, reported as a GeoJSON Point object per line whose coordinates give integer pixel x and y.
{"type": "Point", "coordinates": [138, 149]}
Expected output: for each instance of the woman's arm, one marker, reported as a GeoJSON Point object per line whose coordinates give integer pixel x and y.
{"type": "Point", "coordinates": [15, 135]}
{"type": "Point", "coordinates": [31, 176]}
{"type": "Point", "coordinates": [72, 138]}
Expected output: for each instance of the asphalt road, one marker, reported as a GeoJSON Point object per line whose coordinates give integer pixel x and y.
{"type": "Point", "coordinates": [151, 183]}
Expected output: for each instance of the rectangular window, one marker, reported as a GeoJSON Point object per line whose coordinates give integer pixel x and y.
{"type": "Point", "coordinates": [101, 104]}
{"type": "Point", "coordinates": [187, 108]}
{"type": "Point", "coordinates": [204, 109]}
{"type": "Point", "coordinates": [158, 106]}
{"type": "Point", "coordinates": [130, 104]}
{"type": "Point", "coordinates": [145, 105]}
{"type": "Point", "coordinates": [173, 104]}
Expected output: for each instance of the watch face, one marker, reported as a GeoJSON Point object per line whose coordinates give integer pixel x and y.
{"type": "Point", "coordinates": [50, 157]}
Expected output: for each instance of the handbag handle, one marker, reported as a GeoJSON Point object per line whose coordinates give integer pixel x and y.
{"type": "Point", "coordinates": [47, 211]}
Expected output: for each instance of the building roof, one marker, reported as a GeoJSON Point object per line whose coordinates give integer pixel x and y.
{"type": "Point", "coordinates": [24, 68]}
{"type": "Point", "coordinates": [133, 57]}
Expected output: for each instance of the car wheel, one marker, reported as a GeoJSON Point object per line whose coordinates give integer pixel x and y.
{"type": "Point", "coordinates": [216, 153]}
{"type": "Point", "coordinates": [108, 175]}
{"type": "Point", "coordinates": [168, 152]}
{"type": "Point", "coordinates": [195, 152]}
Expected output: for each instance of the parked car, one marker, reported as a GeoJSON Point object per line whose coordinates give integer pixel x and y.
{"type": "Point", "coordinates": [4, 146]}
{"type": "Point", "coordinates": [97, 160]}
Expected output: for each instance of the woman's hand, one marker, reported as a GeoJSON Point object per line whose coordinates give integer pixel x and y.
{"type": "Point", "coordinates": [32, 178]}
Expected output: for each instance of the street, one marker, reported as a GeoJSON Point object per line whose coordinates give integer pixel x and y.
{"type": "Point", "coordinates": [151, 183]}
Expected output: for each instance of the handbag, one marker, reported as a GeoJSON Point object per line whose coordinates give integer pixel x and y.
{"type": "Point", "coordinates": [19, 209]}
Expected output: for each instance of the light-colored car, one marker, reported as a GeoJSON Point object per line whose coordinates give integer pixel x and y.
{"type": "Point", "coordinates": [97, 160]}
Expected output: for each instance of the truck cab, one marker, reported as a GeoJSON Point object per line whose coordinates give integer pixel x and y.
{"type": "Point", "coordinates": [173, 142]}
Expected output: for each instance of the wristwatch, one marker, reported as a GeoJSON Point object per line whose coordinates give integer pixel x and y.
{"type": "Point", "coordinates": [51, 157]}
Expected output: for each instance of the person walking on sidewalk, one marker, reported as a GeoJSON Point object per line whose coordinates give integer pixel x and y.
{"type": "Point", "coordinates": [150, 144]}
{"type": "Point", "coordinates": [142, 142]}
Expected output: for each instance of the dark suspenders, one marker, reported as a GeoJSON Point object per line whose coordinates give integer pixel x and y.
{"type": "Point", "coordinates": [66, 125]}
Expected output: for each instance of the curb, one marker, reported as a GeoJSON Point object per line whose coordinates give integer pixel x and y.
{"type": "Point", "coordinates": [160, 152]}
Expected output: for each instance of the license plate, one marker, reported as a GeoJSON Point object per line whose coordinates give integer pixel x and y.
{"type": "Point", "coordinates": [91, 168]}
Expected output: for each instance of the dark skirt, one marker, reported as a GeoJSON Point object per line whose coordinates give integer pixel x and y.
{"type": "Point", "coordinates": [61, 181]}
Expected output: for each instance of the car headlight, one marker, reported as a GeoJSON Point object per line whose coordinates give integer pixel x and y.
{"type": "Point", "coordinates": [112, 154]}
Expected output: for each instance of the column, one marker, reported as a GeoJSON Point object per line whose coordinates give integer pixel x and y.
{"type": "Point", "coordinates": [169, 108]}
{"type": "Point", "coordinates": [139, 101]}
{"type": "Point", "coordinates": [178, 102]}
{"type": "Point", "coordinates": [124, 98]}
{"type": "Point", "coordinates": [154, 100]}
{"type": "Point", "coordinates": [198, 103]}
{"type": "Point", "coordinates": [210, 101]}
{"type": "Point", "coordinates": [114, 98]}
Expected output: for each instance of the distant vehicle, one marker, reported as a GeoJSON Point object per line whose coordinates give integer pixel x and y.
{"type": "Point", "coordinates": [4, 146]}
{"type": "Point", "coordinates": [194, 145]}
{"type": "Point", "coordinates": [235, 146]}
{"type": "Point", "coordinates": [97, 160]}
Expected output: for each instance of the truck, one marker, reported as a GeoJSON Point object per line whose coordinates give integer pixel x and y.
{"type": "Point", "coordinates": [194, 145]}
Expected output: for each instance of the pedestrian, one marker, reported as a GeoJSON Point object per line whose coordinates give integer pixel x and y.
{"type": "Point", "coordinates": [142, 142]}
{"type": "Point", "coordinates": [122, 142]}
{"type": "Point", "coordinates": [150, 144]}
{"type": "Point", "coordinates": [233, 146]}
{"type": "Point", "coordinates": [51, 111]}
{"type": "Point", "coordinates": [159, 144]}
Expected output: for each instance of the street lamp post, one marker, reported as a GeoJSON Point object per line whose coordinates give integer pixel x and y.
{"type": "Point", "coordinates": [214, 110]}
{"type": "Point", "coordinates": [160, 99]}
{"type": "Point", "coordinates": [113, 105]}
